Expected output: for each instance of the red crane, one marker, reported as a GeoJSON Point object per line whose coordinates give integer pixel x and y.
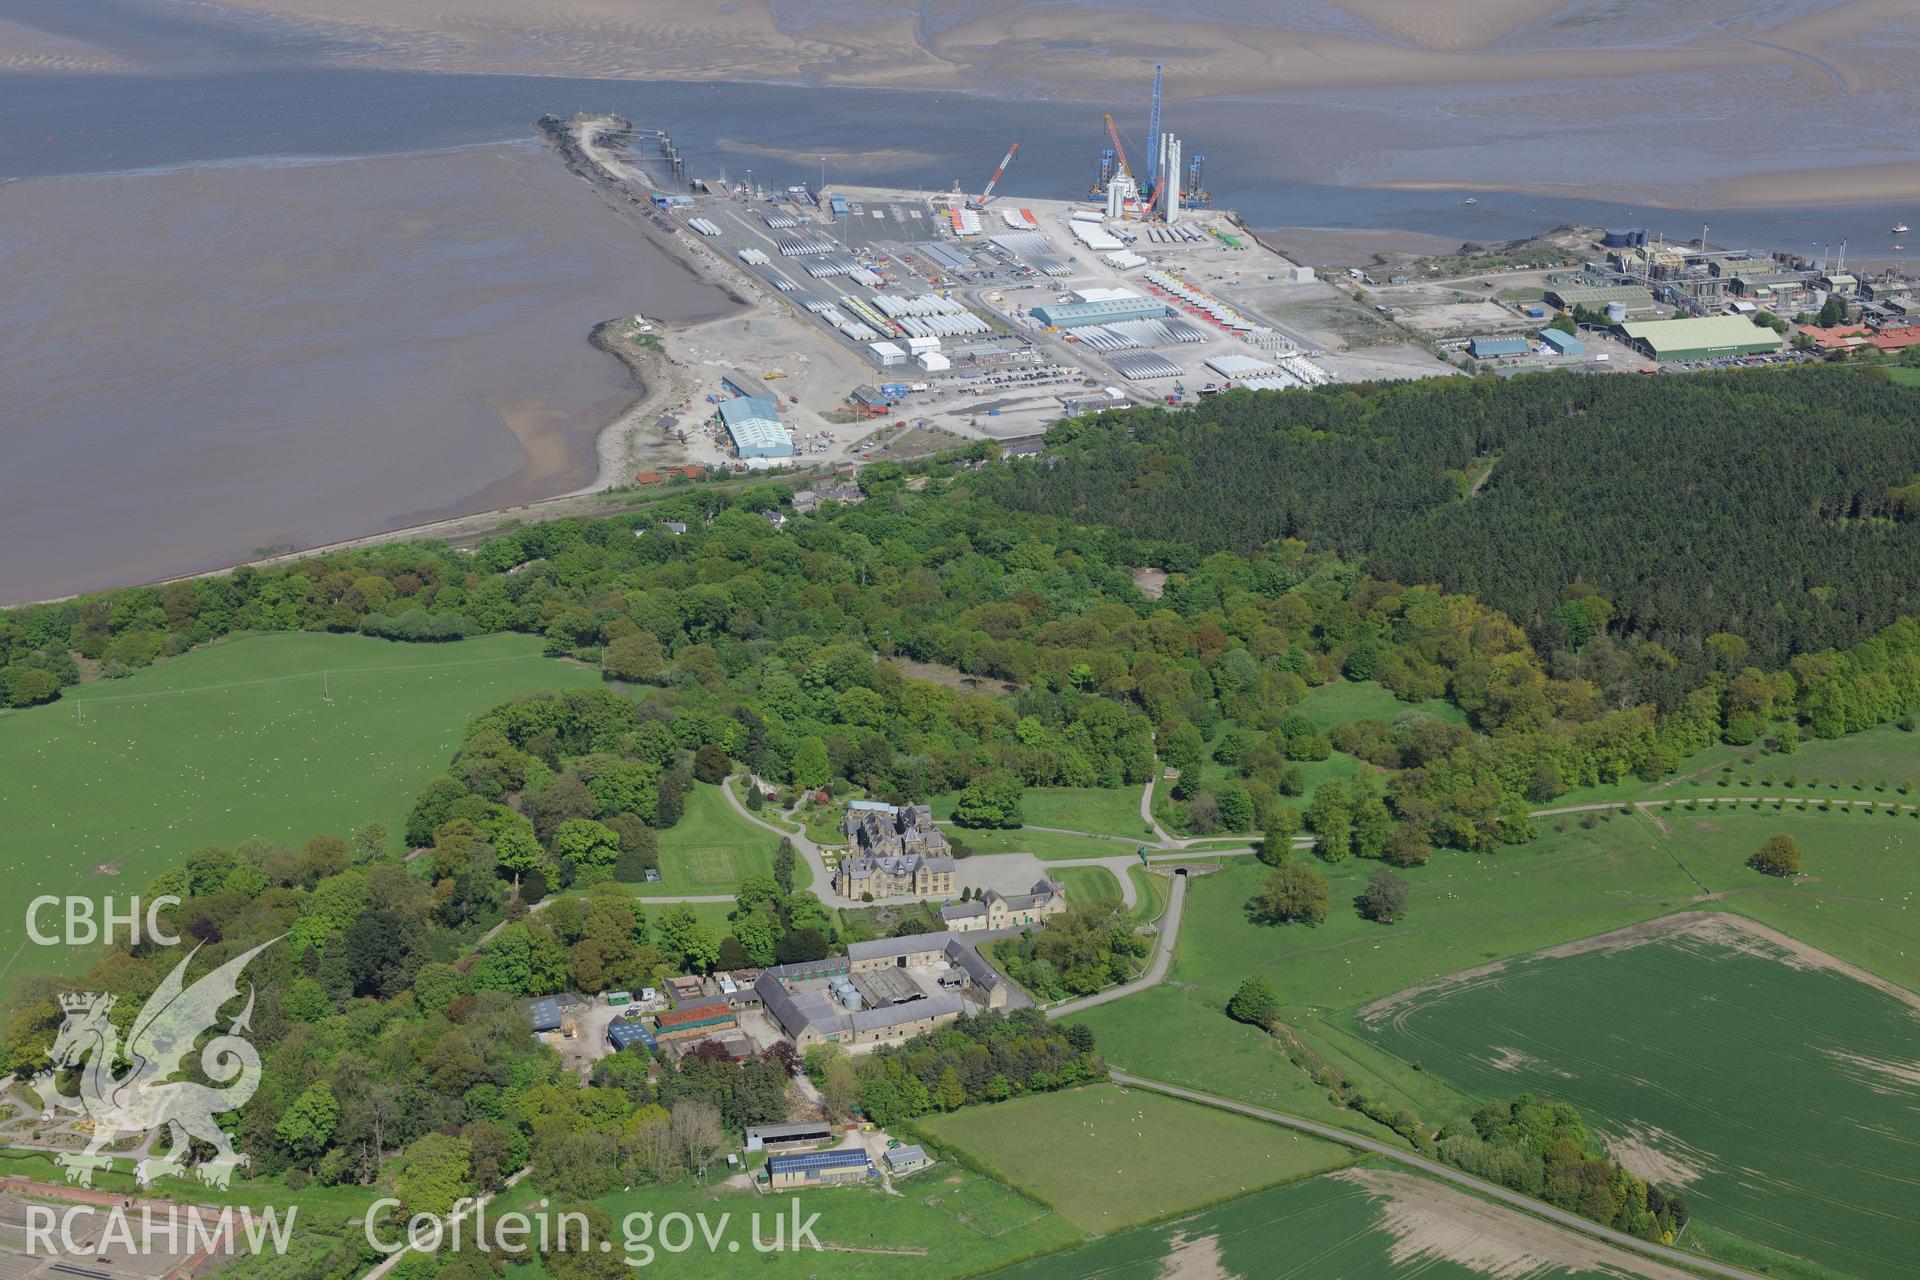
{"type": "Point", "coordinates": [1119, 151]}
{"type": "Point", "coordinates": [987, 195]}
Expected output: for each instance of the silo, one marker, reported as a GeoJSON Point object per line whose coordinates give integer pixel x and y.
{"type": "Point", "coordinates": [1616, 312]}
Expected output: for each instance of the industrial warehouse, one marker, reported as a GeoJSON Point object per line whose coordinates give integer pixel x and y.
{"type": "Point", "coordinates": [1702, 337]}
{"type": "Point", "coordinates": [952, 315]}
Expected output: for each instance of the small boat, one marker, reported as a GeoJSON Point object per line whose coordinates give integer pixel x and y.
{"type": "Point", "coordinates": [1471, 200]}
{"type": "Point", "coordinates": [1901, 228]}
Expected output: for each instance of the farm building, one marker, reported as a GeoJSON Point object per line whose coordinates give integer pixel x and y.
{"type": "Point", "coordinates": [1701, 338]}
{"type": "Point", "coordinates": [624, 1033]}
{"type": "Point", "coordinates": [754, 425]}
{"type": "Point", "coordinates": [818, 1168]}
{"type": "Point", "coordinates": [907, 1159]}
{"type": "Point", "coordinates": [699, 1021]}
{"type": "Point", "coordinates": [1486, 348]}
{"type": "Point", "coordinates": [785, 1137]}
{"type": "Point", "coordinates": [545, 1013]}
{"type": "Point", "coordinates": [1563, 343]}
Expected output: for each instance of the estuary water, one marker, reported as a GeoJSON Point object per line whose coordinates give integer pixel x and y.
{"type": "Point", "coordinates": [253, 301]}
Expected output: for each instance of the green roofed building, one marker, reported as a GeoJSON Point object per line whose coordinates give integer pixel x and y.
{"type": "Point", "coordinates": [1566, 297]}
{"type": "Point", "coordinates": [1701, 338]}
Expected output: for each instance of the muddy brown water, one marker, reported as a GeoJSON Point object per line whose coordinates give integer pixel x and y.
{"type": "Point", "coordinates": [202, 363]}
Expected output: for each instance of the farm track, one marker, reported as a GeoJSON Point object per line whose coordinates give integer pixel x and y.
{"type": "Point", "coordinates": [1446, 1173]}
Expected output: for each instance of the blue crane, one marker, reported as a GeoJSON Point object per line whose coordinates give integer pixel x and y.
{"type": "Point", "coordinates": [1153, 130]}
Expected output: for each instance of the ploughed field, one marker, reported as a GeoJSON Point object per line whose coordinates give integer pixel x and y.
{"type": "Point", "coordinates": [1777, 1087]}
{"type": "Point", "coordinates": [1360, 1222]}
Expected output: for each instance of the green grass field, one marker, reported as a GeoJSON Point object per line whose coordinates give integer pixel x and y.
{"type": "Point", "coordinates": [712, 848]}
{"type": "Point", "coordinates": [1855, 902]}
{"type": "Point", "coordinates": [1906, 377]}
{"type": "Point", "coordinates": [1361, 1225]}
{"type": "Point", "coordinates": [1087, 884]}
{"type": "Point", "coordinates": [1870, 765]}
{"type": "Point", "coordinates": [122, 778]}
{"type": "Point", "coordinates": [322, 1217]}
{"type": "Point", "coordinates": [1110, 811]}
{"type": "Point", "coordinates": [1781, 1095]}
{"type": "Point", "coordinates": [1108, 1158]}
{"type": "Point", "coordinates": [1348, 701]}
{"type": "Point", "coordinates": [1097, 811]}
{"type": "Point", "coordinates": [947, 1222]}
{"type": "Point", "coordinates": [1466, 910]}
{"type": "Point", "coordinates": [1041, 844]}
{"type": "Point", "coordinates": [1150, 892]}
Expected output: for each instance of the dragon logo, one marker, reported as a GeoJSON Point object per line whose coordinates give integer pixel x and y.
{"type": "Point", "coordinates": [140, 1099]}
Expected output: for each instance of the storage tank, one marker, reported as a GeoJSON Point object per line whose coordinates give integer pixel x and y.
{"type": "Point", "coordinates": [1616, 312]}
{"type": "Point", "coordinates": [850, 999]}
{"type": "Point", "coordinates": [1613, 239]}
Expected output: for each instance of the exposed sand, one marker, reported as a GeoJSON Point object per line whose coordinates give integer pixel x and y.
{"type": "Point", "coordinates": [1879, 1072]}
{"type": "Point", "coordinates": [1208, 48]}
{"type": "Point", "coordinates": [1433, 1223]}
{"type": "Point", "coordinates": [1867, 183]}
{"type": "Point", "coordinates": [24, 48]}
{"type": "Point", "coordinates": [1649, 104]}
{"type": "Point", "coordinates": [1451, 24]}
{"type": "Point", "coordinates": [1507, 1058]}
{"type": "Point", "coordinates": [1193, 1258]}
{"type": "Point", "coordinates": [1657, 1156]}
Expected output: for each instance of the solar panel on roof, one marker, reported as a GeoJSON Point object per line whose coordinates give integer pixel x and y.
{"type": "Point", "coordinates": [818, 1160]}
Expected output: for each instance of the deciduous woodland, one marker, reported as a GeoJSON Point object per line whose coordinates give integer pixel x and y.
{"type": "Point", "coordinates": [1653, 565]}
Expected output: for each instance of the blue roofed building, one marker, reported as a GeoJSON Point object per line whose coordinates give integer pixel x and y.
{"type": "Point", "coordinates": [753, 423]}
{"type": "Point", "coordinates": [818, 1168]}
{"type": "Point", "coordinates": [624, 1033]}
{"type": "Point", "coordinates": [1486, 348]}
{"type": "Point", "coordinates": [1065, 315]}
{"type": "Point", "coordinates": [1563, 343]}
{"type": "Point", "coordinates": [545, 1013]}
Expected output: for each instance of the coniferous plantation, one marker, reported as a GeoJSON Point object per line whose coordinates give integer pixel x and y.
{"type": "Point", "coordinates": [1780, 506]}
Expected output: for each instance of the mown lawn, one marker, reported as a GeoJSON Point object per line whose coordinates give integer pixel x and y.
{"type": "Point", "coordinates": [1041, 844]}
{"type": "Point", "coordinates": [1109, 811]}
{"type": "Point", "coordinates": [1107, 1157]}
{"type": "Point", "coordinates": [1087, 884]}
{"type": "Point", "coordinates": [121, 779]}
{"type": "Point", "coordinates": [1150, 892]}
{"type": "Point", "coordinates": [712, 848]}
